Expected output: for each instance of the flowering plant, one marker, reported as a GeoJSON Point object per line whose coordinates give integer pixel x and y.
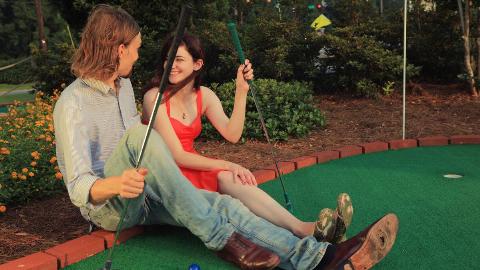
{"type": "Point", "coordinates": [28, 168]}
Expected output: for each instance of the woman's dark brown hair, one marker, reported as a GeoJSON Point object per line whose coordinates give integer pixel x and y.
{"type": "Point", "coordinates": [194, 47]}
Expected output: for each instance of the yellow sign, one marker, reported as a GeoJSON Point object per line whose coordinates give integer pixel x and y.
{"type": "Point", "coordinates": [320, 22]}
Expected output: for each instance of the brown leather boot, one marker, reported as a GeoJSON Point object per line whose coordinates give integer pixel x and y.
{"type": "Point", "coordinates": [366, 249]}
{"type": "Point", "coordinates": [247, 255]}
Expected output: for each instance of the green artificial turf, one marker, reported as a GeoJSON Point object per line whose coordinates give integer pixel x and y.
{"type": "Point", "coordinates": [23, 97]}
{"type": "Point", "coordinates": [4, 87]}
{"type": "Point", "coordinates": [439, 217]}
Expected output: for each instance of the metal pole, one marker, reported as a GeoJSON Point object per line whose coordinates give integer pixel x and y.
{"type": "Point", "coordinates": [404, 62]}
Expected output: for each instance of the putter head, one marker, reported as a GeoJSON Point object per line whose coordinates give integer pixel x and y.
{"type": "Point", "coordinates": [107, 266]}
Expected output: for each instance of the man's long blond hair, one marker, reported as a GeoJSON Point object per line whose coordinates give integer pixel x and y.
{"type": "Point", "coordinates": [107, 28]}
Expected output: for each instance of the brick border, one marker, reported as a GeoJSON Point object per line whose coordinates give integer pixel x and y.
{"type": "Point", "coordinates": [401, 144]}
{"type": "Point", "coordinates": [374, 147]}
{"type": "Point", "coordinates": [433, 141]}
{"type": "Point", "coordinates": [465, 139]}
{"type": "Point", "coordinates": [108, 237]}
{"type": "Point", "coordinates": [78, 249]}
{"type": "Point", "coordinates": [35, 261]}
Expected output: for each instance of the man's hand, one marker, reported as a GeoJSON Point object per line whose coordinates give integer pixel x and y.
{"type": "Point", "coordinates": [132, 182]}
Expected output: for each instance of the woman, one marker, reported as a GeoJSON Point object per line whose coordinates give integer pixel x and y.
{"type": "Point", "coordinates": [179, 122]}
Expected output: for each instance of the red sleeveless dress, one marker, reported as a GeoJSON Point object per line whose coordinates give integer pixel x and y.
{"type": "Point", "coordinates": [187, 134]}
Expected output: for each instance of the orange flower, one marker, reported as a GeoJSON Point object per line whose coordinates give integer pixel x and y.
{"type": "Point", "coordinates": [3, 209]}
{"type": "Point", "coordinates": [53, 160]}
{"type": "Point", "coordinates": [24, 170]}
{"type": "Point", "coordinates": [59, 176]}
{"type": "Point", "coordinates": [4, 151]}
{"type": "Point", "coordinates": [13, 137]}
{"type": "Point", "coordinates": [48, 139]}
{"type": "Point", "coordinates": [31, 174]}
{"type": "Point", "coordinates": [33, 164]}
{"type": "Point", "coordinates": [1, 128]}
{"type": "Point", "coordinates": [35, 154]}
{"type": "Point", "coordinates": [22, 177]}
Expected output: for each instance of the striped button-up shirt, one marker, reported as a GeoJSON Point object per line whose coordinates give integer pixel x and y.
{"type": "Point", "coordinates": [90, 119]}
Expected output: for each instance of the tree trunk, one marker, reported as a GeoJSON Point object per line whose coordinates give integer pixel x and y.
{"type": "Point", "coordinates": [381, 8]}
{"type": "Point", "coordinates": [41, 31]}
{"type": "Point", "coordinates": [478, 43]}
{"type": "Point", "coordinates": [466, 45]}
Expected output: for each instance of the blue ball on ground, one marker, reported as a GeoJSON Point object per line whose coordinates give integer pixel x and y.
{"type": "Point", "coordinates": [194, 266]}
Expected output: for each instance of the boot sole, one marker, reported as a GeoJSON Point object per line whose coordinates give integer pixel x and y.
{"type": "Point", "coordinates": [378, 243]}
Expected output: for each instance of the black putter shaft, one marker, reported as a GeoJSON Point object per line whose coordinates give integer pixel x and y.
{"type": "Point", "coordinates": [236, 41]}
{"type": "Point", "coordinates": [184, 15]}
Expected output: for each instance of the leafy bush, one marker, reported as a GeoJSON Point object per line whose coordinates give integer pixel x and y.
{"type": "Point", "coordinates": [18, 74]}
{"type": "Point", "coordinates": [288, 110]}
{"type": "Point", "coordinates": [27, 152]}
{"type": "Point", "coordinates": [356, 64]}
{"type": "Point", "coordinates": [53, 67]}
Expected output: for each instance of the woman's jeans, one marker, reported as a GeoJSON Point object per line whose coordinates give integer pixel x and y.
{"type": "Point", "coordinates": [169, 198]}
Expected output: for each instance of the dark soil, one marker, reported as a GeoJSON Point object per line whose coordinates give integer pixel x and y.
{"type": "Point", "coordinates": [431, 110]}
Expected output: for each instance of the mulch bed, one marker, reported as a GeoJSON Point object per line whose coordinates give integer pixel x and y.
{"type": "Point", "coordinates": [431, 110]}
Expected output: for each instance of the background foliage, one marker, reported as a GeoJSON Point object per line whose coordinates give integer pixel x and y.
{"type": "Point", "coordinates": [288, 109]}
{"type": "Point", "coordinates": [28, 168]}
{"type": "Point", "coordinates": [277, 39]}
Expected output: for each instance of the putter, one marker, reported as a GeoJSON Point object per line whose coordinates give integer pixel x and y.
{"type": "Point", "coordinates": [184, 15]}
{"type": "Point", "coordinates": [236, 41]}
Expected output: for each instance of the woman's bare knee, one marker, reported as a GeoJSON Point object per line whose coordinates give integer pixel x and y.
{"type": "Point", "coordinates": [226, 180]}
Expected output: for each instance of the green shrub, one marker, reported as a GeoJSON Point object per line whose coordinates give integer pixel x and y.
{"type": "Point", "coordinates": [53, 67]}
{"type": "Point", "coordinates": [357, 64]}
{"type": "Point", "coordinates": [18, 74]}
{"type": "Point", "coordinates": [288, 110]}
{"type": "Point", "coordinates": [27, 152]}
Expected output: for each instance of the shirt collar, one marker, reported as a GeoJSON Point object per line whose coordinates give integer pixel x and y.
{"type": "Point", "coordinates": [98, 85]}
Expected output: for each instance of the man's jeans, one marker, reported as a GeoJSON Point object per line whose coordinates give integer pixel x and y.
{"type": "Point", "coordinates": [169, 198]}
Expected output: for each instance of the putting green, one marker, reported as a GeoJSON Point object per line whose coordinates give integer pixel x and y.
{"type": "Point", "coordinates": [438, 216]}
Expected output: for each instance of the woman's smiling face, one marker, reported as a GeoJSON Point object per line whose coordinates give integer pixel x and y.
{"type": "Point", "coordinates": [183, 65]}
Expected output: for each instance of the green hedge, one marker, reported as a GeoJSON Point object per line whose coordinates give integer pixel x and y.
{"type": "Point", "coordinates": [288, 110]}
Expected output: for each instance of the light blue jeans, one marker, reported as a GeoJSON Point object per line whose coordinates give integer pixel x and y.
{"type": "Point", "coordinates": [169, 198]}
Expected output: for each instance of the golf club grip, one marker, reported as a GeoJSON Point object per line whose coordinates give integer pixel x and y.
{"type": "Point", "coordinates": [236, 41]}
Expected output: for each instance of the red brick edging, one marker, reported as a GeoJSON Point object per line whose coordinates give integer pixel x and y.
{"type": "Point", "coordinates": [88, 245]}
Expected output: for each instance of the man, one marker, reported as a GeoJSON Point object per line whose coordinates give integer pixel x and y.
{"type": "Point", "coordinates": [99, 137]}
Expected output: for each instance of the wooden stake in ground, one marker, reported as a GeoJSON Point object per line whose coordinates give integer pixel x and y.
{"type": "Point", "coordinates": [41, 30]}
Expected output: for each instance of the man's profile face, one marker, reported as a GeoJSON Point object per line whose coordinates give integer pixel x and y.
{"type": "Point", "coordinates": [128, 55]}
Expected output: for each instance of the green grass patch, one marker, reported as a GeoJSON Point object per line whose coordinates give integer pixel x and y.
{"type": "Point", "coordinates": [26, 97]}
{"type": "Point", "coordinates": [5, 87]}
